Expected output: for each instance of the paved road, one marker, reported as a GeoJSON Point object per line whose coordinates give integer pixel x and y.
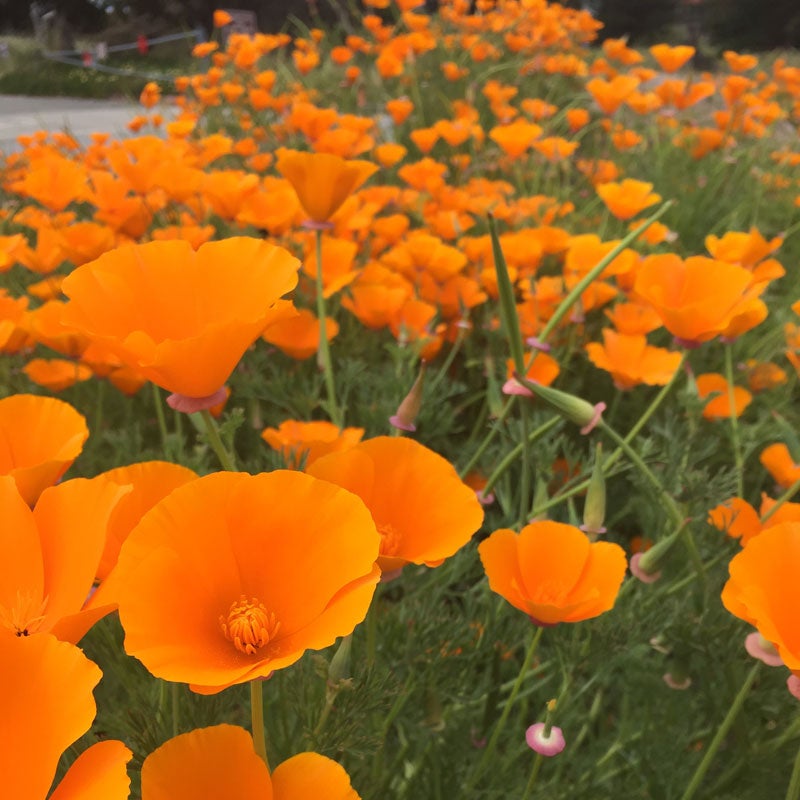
{"type": "Point", "coordinates": [25, 115]}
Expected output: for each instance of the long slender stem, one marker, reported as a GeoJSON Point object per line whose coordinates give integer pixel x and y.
{"type": "Point", "coordinates": [501, 723]}
{"type": "Point", "coordinates": [484, 445]}
{"type": "Point", "coordinates": [257, 719]}
{"type": "Point", "coordinates": [176, 708]}
{"type": "Point", "coordinates": [537, 765]}
{"type": "Point", "coordinates": [525, 481]}
{"type": "Point", "coordinates": [324, 355]}
{"type": "Point", "coordinates": [162, 422]}
{"type": "Point", "coordinates": [735, 441]}
{"type": "Point", "coordinates": [516, 451]}
{"type": "Point", "coordinates": [721, 733]}
{"type": "Point", "coordinates": [226, 459]}
{"type": "Point", "coordinates": [784, 498]}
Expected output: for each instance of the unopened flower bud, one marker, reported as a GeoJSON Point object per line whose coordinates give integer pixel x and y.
{"type": "Point", "coordinates": [408, 410]}
{"type": "Point", "coordinates": [594, 509]}
{"type": "Point", "coordinates": [573, 408]}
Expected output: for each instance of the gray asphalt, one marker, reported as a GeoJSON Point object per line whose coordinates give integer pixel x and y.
{"type": "Point", "coordinates": [25, 115]}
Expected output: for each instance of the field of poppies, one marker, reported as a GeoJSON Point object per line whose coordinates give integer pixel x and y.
{"type": "Point", "coordinates": [407, 412]}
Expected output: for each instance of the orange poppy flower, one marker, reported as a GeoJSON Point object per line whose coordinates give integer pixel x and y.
{"type": "Point", "coordinates": [697, 298]}
{"type": "Point", "coordinates": [56, 374]}
{"type": "Point", "coordinates": [181, 318]}
{"type": "Point", "coordinates": [305, 442]}
{"type": "Point", "coordinates": [631, 361]}
{"type": "Point", "coordinates": [714, 386]}
{"type": "Point", "coordinates": [552, 572]}
{"type": "Point", "coordinates": [390, 154]}
{"type": "Point", "coordinates": [626, 199]}
{"type": "Point", "coordinates": [763, 589]}
{"type": "Point", "coordinates": [221, 761]}
{"type": "Point", "coordinates": [671, 59]}
{"type": "Point", "coordinates": [737, 518]}
{"type": "Point", "coordinates": [515, 139]}
{"type": "Point", "coordinates": [47, 686]}
{"type": "Point", "coordinates": [148, 483]}
{"type": "Point", "coordinates": [322, 181]}
{"type": "Point", "coordinates": [298, 336]}
{"type": "Point", "coordinates": [55, 550]}
{"type": "Point", "coordinates": [41, 437]}
{"type": "Point", "coordinates": [222, 18]}
{"type": "Point", "coordinates": [610, 95]}
{"type": "Point", "coordinates": [423, 511]}
{"type": "Point", "coordinates": [191, 558]}
{"type": "Point", "coordinates": [763, 375]}
{"type": "Point", "coordinates": [778, 461]}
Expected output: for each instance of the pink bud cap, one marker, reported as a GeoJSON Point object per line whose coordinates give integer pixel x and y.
{"type": "Point", "coordinates": [758, 647]}
{"type": "Point", "coordinates": [189, 405]}
{"type": "Point", "coordinates": [550, 745]}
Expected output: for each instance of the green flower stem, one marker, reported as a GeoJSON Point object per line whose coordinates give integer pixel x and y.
{"type": "Point", "coordinates": [793, 792]}
{"type": "Point", "coordinates": [371, 624]}
{"type": "Point", "coordinates": [257, 718]}
{"type": "Point", "coordinates": [451, 356]}
{"type": "Point", "coordinates": [226, 459]}
{"type": "Point", "coordinates": [324, 354]}
{"type": "Point", "coordinates": [525, 479]}
{"type": "Point", "coordinates": [669, 504]}
{"type": "Point", "coordinates": [784, 498]}
{"type": "Point", "coordinates": [721, 733]}
{"type": "Point", "coordinates": [162, 421]}
{"type": "Point", "coordinates": [537, 765]}
{"type": "Point", "coordinates": [488, 753]}
{"type": "Point", "coordinates": [176, 708]}
{"type": "Point", "coordinates": [562, 310]}
{"type": "Point", "coordinates": [515, 452]}
{"type": "Point", "coordinates": [735, 441]}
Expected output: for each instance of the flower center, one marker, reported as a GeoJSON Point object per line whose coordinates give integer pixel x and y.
{"type": "Point", "coordinates": [25, 616]}
{"type": "Point", "coordinates": [249, 625]}
{"type": "Point", "coordinates": [390, 540]}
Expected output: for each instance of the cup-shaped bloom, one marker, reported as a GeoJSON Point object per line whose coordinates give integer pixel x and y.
{"type": "Point", "coordinates": [304, 442]}
{"type": "Point", "coordinates": [46, 697]}
{"type": "Point", "coordinates": [221, 761]}
{"type": "Point", "coordinates": [322, 181]}
{"type": "Point", "coordinates": [232, 576]}
{"type": "Point", "coordinates": [627, 198]}
{"type": "Point", "coordinates": [552, 572]}
{"type": "Point", "coordinates": [182, 318]}
{"type": "Point", "coordinates": [424, 512]}
{"type": "Point", "coordinates": [696, 298]}
{"type": "Point", "coordinates": [40, 437]}
{"type": "Point", "coordinates": [763, 589]}
{"type": "Point", "coordinates": [53, 553]}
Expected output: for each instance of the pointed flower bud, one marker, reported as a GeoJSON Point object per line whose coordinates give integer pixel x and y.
{"type": "Point", "coordinates": [408, 410]}
{"type": "Point", "coordinates": [646, 566]}
{"type": "Point", "coordinates": [573, 408]}
{"type": "Point", "coordinates": [594, 510]}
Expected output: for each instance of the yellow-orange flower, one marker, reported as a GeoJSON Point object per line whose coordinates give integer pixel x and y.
{"type": "Point", "coordinates": [778, 461]}
{"type": "Point", "coordinates": [221, 762]}
{"type": "Point", "coordinates": [631, 361]}
{"type": "Point", "coordinates": [40, 437]}
{"type": "Point", "coordinates": [46, 697]}
{"type": "Point", "coordinates": [233, 576]}
{"type": "Point", "coordinates": [763, 589]}
{"type": "Point", "coordinates": [552, 572]}
{"type": "Point", "coordinates": [179, 317]}
{"type": "Point", "coordinates": [305, 442]}
{"type": "Point", "coordinates": [322, 181]}
{"type": "Point", "coordinates": [423, 511]}
{"type": "Point", "coordinates": [54, 550]}
{"type": "Point", "coordinates": [627, 198]}
{"type": "Point", "coordinates": [713, 387]}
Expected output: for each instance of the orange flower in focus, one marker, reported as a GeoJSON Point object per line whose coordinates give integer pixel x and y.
{"type": "Point", "coordinates": [221, 761]}
{"type": "Point", "coordinates": [552, 572]}
{"type": "Point", "coordinates": [41, 437]}
{"type": "Point", "coordinates": [631, 361]}
{"type": "Point", "coordinates": [322, 181]}
{"type": "Point", "coordinates": [626, 199]}
{"type": "Point", "coordinates": [778, 461]}
{"type": "Point", "coordinates": [763, 589]}
{"type": "Point", "coordinates": [423, 511]}
{"type": "Point", "coordinates": [55, 550]}
{"type": "Point", "coordinates": [302, 443]}
{"type": "Point", "coordinates": [46, 697]}
{"type": "Point", "coordinates": [182, 318]}
{"type": "Point", "coordinates": [698, 298]}
{"type": "Point", "coordinates": [148, 483]}
{"type": "Point", "coordinates": [214, 556]}
{"type": "Point", "coordinates": [714, 386]}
